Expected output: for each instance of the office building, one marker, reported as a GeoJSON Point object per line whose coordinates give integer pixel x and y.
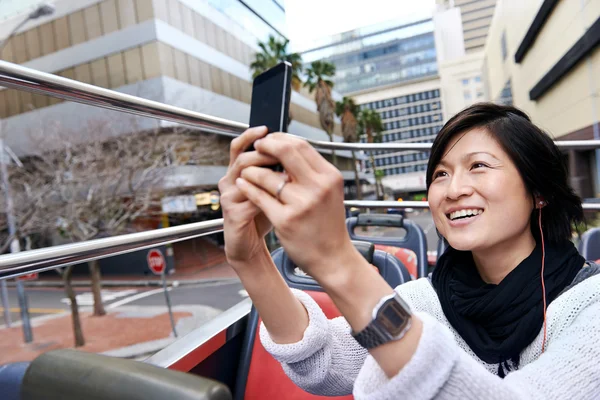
{"type": "Point", "coordinates": [391, 67]}
{"type": "Point", "coordinates": [378, 56]}
{"type": "Point", "coordinates": [460, 71]}
{"type": "Point", "coordinates": [544, 58]}
{"type": "Point", "coordinates": [189, 53]}
{"type": "Point", "coordinates": [476, 17]}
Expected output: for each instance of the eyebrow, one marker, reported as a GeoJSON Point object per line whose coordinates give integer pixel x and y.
{"type": "Point", "coordinates": [470, 155]}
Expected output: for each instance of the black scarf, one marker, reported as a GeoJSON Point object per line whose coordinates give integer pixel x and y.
{"type": "Point", "coordinates": [499, 321]}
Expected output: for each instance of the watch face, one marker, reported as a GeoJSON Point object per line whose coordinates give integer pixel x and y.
{"type": "Point", "coordinates": [393, 317]}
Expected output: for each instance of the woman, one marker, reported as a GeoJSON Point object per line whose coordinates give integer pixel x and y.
{"type": "Point", "coordinates": [485, 325]}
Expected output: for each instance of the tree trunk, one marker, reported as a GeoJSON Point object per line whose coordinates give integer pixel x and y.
{"type": "Point", "coordinates": [356, 177]}
{"type": "Point", "coordinates": [377, 189]}
{"type": "Point", "coordinates": [96, 288]}
{"type": "Point", "coordinates": [77, 331]}
{"type": "Point", "coordinates": [334, 157]}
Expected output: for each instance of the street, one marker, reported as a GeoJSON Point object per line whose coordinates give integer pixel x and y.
{"type": "Point", "coordinates": [46, 301]}
{"type": "Point", "coordinates": [220, 295]}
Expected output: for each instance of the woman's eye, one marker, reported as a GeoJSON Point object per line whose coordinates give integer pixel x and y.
{"type": "Point", "coordinates": [439, 174]}
{"type": "Point", "coordinates": [478, 165]}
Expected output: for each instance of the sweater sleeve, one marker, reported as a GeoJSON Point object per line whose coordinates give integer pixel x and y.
{"type": "Point", "coordinates": [327, 360]}
{"type": "Point", "coordinates": [439, 369]}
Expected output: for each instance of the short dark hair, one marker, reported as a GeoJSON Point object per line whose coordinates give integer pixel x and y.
{"type": "Point", "coordinates": [537, 158]}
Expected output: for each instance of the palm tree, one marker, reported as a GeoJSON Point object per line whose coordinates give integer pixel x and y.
{"type": "Point", "coordinates": [370, 123]}
{"type": "Point", "coordinates": [348, 111]}
{"type": "Point", "coordinates": [318, 80]}
{"type": "Point", "coordinates": [272, 53]}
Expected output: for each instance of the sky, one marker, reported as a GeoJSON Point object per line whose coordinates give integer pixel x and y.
{"type": "Point", "coordinates": [311, 19]}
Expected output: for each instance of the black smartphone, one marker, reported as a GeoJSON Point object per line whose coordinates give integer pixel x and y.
{"type": "Point", "coordinates": [271, 93]}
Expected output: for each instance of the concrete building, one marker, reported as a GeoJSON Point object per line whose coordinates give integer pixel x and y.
{"type": "Point", "coordinates": [460, 70]}
{"type": "Point", "coordinates": [476, 17]}
{"type": "Point", "coordinates": [543, 57]}
{"type": "Point", "coordinates": [379, 55]}
{"type": "Point", "coordinates": [391, 68]}
{"type": "Point", "coordinates": [189, 53]}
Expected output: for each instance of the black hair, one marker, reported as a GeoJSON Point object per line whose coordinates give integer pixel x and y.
{"type": "Point", "coordinates": [538, 160]}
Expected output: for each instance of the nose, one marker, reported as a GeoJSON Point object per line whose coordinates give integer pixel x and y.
{"type": "Point", "coordinates": [459, 186]}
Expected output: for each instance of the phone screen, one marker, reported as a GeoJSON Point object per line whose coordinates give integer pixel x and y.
{"type": "Point", "coordinates": [270, 99]}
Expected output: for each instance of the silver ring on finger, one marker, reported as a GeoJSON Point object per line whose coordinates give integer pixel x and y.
{"type": "Point", "coordinates": [280, 188]}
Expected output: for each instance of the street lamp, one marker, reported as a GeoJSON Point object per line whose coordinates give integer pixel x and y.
{"type": "Point", "coordinates": [43, 10]}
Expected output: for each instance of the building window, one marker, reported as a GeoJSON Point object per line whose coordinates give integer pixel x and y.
{"type": "Point", "coordinates": [465, 82]}
{"type": "Point", "coordinates": [467, 95]}
{"type": "Point", "coordinates": [479, 94]}
{"type": "Point", "coordinates": [477, 79]}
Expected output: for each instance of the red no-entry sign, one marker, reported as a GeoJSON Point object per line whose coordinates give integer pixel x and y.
{"type": "Point", "coordinates": [156, 261]}
{"type": "Point", "coordinates": [28, 277]}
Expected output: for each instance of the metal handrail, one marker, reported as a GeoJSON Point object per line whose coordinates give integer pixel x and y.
{"type": "Point", "coordinates": [23, 78]}
{"type": "Point", "coordinates": [31, 80]}
{"type": "Point", "coordinates": [39, 260]}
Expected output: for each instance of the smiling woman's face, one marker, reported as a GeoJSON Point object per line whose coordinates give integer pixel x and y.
{"type": "Point", "coordinates": [477, 196]}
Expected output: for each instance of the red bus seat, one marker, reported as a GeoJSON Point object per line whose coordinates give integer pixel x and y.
{"type": "Point", "coordinates": [414, 238]}
{"type": "Point", "coordinates": [260, 376]}
{"type": "Point", "coordinates": [407, 256]}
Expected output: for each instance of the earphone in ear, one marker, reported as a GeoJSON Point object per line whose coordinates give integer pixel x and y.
{"type": "Point", "coordinates": [540, 202]}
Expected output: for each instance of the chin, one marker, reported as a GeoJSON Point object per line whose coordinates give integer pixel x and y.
{"type": "Point", "coordinates": [462, 243]}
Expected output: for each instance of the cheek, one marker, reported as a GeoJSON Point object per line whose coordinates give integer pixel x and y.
{"type": "Point", "coordinates": [510, 200]}
{"type": "Point", "coordinates": [435, 197]}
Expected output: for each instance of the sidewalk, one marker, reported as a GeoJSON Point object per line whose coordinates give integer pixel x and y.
{"type": "Point", "coordinates": [128, 332]}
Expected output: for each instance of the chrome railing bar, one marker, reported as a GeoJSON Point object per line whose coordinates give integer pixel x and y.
{"type": "Point", "coordinates": [424, 204]}
{"type": "Point", "coordinates": [39, 260]}
{"type": "Point", "coordinates": [45, 259]}
{"type": "Point", "coordinates": [23, 78]}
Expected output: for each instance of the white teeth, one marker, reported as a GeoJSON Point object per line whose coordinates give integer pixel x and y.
{"type": "Point", "coordinates": [464, 213]}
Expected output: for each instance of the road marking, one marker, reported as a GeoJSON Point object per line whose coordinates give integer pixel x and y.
{"type": "Point", "coordinates": [87, 298]}
{"type": "Point", "coordinates": [37, 310]}
{"type": "Point", "coordinates": [134, 298]}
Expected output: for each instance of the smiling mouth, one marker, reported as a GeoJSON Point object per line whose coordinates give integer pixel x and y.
{"type": "Point", "coordinates": [463, 214]}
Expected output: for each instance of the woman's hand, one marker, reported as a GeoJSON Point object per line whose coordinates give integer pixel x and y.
{"type": "Point", "coordinates": [308, 213]}
{"type": "Point", "coordinates": [245, 225]}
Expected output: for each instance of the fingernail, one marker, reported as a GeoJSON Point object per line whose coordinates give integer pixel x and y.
{"type": "Point", "coordinates": [257, 142]}
{"type": "Point", "coordinates": [240, 181]}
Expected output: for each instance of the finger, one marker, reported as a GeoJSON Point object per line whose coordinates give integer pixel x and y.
{"type": "Point", "coordinates": [242, 212]}
{"type": "Point", "coordinates": [314, 158]}
{"type": "Point", "coordinates": [232, 196]}
{"type": "Point", "coordinates": [270, 181]}
{"type": "Point", "coordinates": [242, 142]}
{"type": "Point", "coordinates": [272, 208]}
{"type": "Point", "coordinates": [250, 159]}
{"type": "Point", "coordinates": [285, 149]}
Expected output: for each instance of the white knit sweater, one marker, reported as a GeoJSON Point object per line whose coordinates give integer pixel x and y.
{"type": "Point", "coordinates": [328, 361]}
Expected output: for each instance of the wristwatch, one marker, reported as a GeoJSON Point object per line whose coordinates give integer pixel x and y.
{"type": "Point", "coordinates": [391, 320]}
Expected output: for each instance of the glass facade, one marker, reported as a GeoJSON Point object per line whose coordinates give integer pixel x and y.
{"type": "Point", "coordinates": [260, 18]}
{"type": "Point", "coordinates": [369, 58]}
{"type": "Point", "coordinates": [412, 118]}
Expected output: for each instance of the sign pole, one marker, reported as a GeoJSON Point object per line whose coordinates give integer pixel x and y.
{"type": "Point", "coordinates": [168, 299]}
{"type": "Point", "coordinates": [158, 266]}
{"type": "Point", "coordinates": [5, 303]}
